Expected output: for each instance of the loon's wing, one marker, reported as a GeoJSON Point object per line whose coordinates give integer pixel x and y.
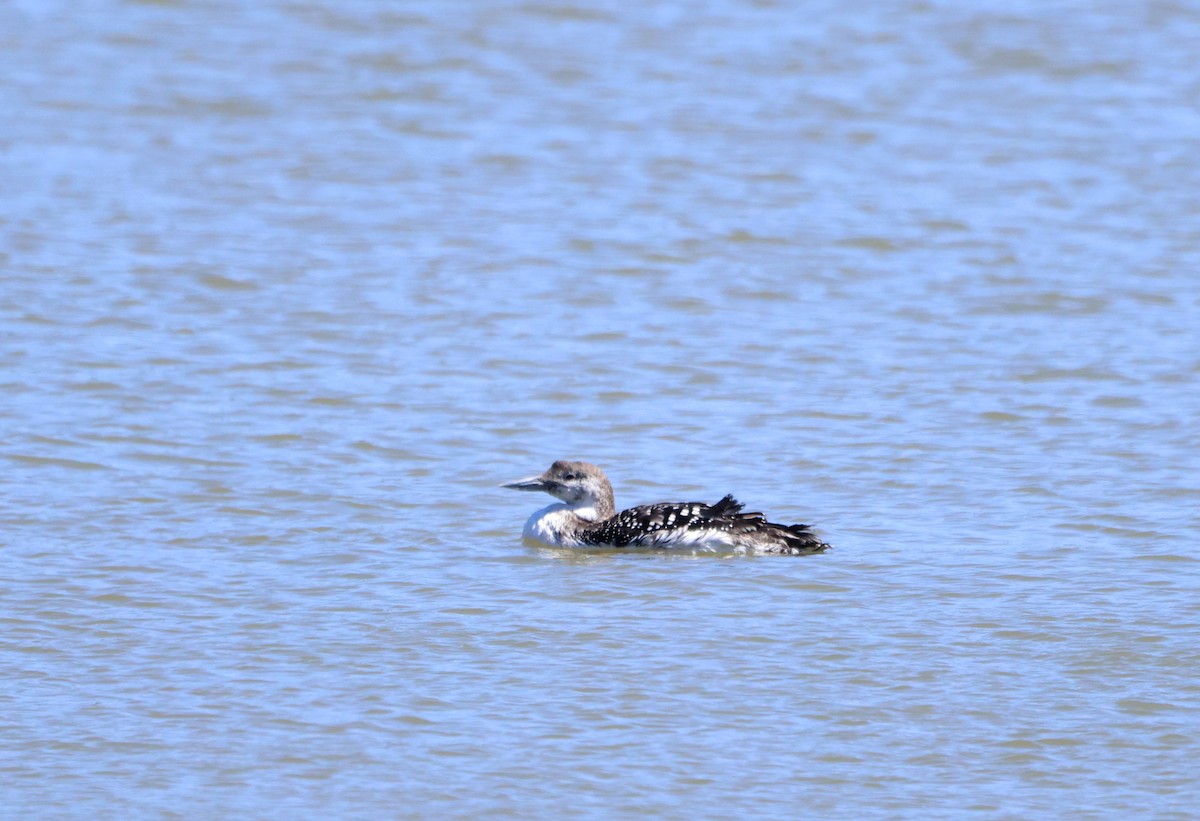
{"type": "Point", "coordinates": [652, 524]}
{"type": "Point", "coordinates": [693, 523]}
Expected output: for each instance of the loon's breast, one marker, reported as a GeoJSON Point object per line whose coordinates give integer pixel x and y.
{"type": "Point", "coordinates": [558, 525]}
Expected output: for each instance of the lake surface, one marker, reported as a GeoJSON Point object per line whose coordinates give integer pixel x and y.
{"type": "Point", "coordinates": [289, 288]}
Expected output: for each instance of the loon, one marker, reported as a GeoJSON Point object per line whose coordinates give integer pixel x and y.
{"type": "Point", "coordinates": [587, 517]}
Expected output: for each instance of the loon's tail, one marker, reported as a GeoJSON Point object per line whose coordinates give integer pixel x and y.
{"type": "Point", "coordinates": [752, 530]}
{"type": "Point", "coordinates": [796, 540]}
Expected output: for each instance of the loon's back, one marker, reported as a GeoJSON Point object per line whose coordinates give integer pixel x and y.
{"type": "Point", "coordinates": [687, 524]}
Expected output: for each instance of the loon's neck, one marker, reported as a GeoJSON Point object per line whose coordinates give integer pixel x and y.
{"type": "Point", "coordinates": [600, 508]}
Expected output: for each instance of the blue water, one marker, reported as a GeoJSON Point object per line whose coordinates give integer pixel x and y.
{"type": "Point", "coordinates": [287, 290]}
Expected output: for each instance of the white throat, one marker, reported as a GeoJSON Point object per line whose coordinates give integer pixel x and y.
{"type": "Point", "coordinates": [587, 512]}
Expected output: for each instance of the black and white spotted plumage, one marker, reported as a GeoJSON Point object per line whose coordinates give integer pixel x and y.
{"type": "Point", "coordinates": [587, 517]}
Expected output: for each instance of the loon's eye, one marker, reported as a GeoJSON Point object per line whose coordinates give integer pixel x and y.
{"type": "Point", "coordinates": [570, 477]}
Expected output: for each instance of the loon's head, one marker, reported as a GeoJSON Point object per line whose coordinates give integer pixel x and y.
{"type": "Point", "coordinates": [579, 484]}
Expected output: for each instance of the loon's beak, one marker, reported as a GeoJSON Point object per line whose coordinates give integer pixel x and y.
{"type": "Point", "coordinates": [532, 483]}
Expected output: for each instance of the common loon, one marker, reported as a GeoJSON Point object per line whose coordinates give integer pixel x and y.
{"type": "Point", "coordinates": [588, 516]}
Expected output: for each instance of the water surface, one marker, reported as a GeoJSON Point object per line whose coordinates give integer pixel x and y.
{"type": "Point", "coordinates": [289, 288]}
